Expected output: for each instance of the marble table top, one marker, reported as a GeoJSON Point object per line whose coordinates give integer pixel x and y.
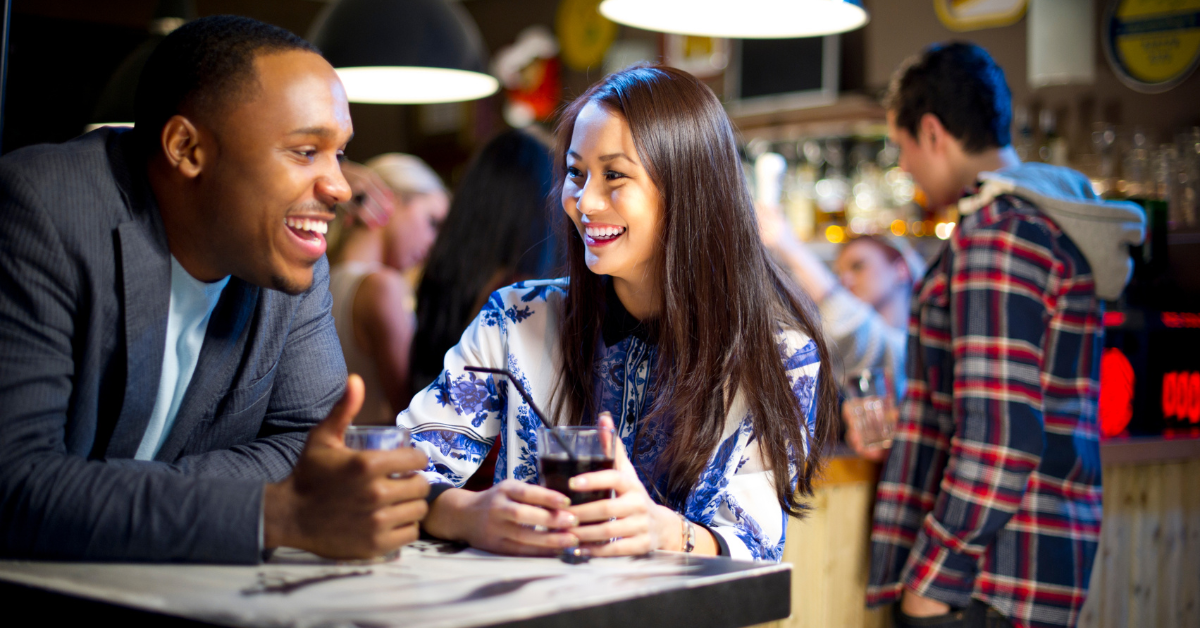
{"type": "Point", "coordinates": [432, 585]}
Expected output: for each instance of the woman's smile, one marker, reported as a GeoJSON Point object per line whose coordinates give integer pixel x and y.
{"type": "Point", "coordinates": [599, 234]}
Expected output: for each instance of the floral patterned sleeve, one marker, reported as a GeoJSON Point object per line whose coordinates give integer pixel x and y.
{"type": "Point", "coordinates": [457, 418]}
{"type": "Point", "coordinates": [736, 498]}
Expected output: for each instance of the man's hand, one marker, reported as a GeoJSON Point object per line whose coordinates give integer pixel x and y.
{"type": "Point", "coordinates": [342, 503]}
{"type": "Point", "coordinates": [914, 605]}
{"type": "Point", "coordinates": [874, 453]}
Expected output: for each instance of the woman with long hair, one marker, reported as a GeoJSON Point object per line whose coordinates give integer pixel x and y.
{"type": "Point", "coordinates": [673, 319]}
{"type": "Point", "coordinates": [499, 215]}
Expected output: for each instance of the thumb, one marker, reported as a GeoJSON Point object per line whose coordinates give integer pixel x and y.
{"type": "Point", "coordinates": [605, 420]}
{"type": "Point", "coordinates": [332, 430]}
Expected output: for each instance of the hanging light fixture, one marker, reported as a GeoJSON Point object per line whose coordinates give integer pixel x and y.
{"type": "Point", "coordinates": [740, 19]}
{"type": "Point", "coordinates": [115, 107]}
{"type": "Point", "coordinates": [404, 51]}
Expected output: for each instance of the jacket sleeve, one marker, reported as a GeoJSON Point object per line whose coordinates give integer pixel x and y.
{"type": "Point", "coordinates": [54, 504]}
{"type": "Point", "coordinates": [736, 497]}
{"type": "Point", "coordinates": [998, 316]}
{"type": "Point", "coordinates": [456, 419]}
{"type": "Point", "coordinates": [862, 339]}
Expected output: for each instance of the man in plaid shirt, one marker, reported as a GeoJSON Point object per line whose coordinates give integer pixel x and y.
{"type": "Point", "coordinates": [988, 511]}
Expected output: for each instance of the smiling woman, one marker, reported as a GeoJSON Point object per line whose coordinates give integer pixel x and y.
{"type": "Point", "coordinates": [674, 321]}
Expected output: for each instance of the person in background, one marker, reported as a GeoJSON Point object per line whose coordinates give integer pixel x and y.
{"type": "Point", "coordinates": [988, 509]}
{"type": "Point", "coordinates": [674, 319]}
{"type": "Point", "coordinates": [171, 374]}
{"type": "Point", "coordinates": [500, 215]}
{"type": "Point", "coordinates": [866, 316]}
{"type": "Point", "coordinates": [391, 223]}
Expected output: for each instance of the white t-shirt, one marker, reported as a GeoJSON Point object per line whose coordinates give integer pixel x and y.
{"type": "Point", "coordinates": [192, 304]}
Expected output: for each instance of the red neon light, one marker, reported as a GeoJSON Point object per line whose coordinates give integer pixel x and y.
{"type": "Point", "coordinates": [1116, 392]}
{"type": "Point", "coordinates": [1180, 395]}
{"type": "Point", "coordinates": [1114, 319]}
{"type": "Point", "coordinates": [1181, 319]}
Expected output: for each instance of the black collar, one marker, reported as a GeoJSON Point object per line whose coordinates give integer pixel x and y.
{"type": "Point", "coordinates": [618, 323]}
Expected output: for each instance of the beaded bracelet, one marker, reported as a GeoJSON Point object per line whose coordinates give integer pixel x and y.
{"type": "Point", "coordinates": [687, 534]}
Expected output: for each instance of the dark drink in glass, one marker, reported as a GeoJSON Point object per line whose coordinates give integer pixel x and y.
{"type": "Point", "coordinates": [591, 449]}
{"type": "Point", "coordinates": [557, 472]}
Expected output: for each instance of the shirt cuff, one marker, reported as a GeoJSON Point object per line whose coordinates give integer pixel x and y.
{"type": "Point", "coordinates": [722, 546]}
{"type": "Point", "coordinates": [935, 572]}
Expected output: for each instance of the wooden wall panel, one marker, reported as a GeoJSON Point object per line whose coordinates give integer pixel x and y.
{"type": "Point", "coordinates": [1147, 570]}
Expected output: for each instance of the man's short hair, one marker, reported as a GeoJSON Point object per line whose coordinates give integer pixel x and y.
{"type": "Point", "coordinates": [960, 84]}
{"type": "Point", "coordinates": [201, 67]}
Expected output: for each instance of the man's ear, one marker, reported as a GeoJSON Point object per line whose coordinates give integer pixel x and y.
{"type": "Point", "coordinates": [933, 133]}
{"type": "Point", "coordinates": [181, 146]}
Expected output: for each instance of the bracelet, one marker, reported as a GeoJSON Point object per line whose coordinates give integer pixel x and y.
{"type": "Point", "coordinates": [687, 534]}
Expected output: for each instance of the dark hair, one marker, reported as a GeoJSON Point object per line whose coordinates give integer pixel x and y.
{"type": "Point", "coordinates": [960, 84]}
{"type": "Point", "coordinates": [497, 232]}
{"type": "Point", "coordinates": [201, 66]}
{"type": "Point", "coordinates": [723, 299]}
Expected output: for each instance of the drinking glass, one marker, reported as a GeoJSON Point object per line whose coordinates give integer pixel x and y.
{"type": "Point", "coordinates": [567, 452]}
{"type": "Point", "coordinates": [377, 438]}
{"type": "Point", "coordinates": [872, 407]}
{"type": "Point", "coordinates": [593, 448]}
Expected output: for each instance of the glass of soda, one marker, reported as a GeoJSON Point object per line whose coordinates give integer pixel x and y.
{"type": "Point", "coordinates": [377, 438]}
{"type": "Point", "coordinates": [872, 407]}
{"type": "Point", "coordinates": [591, 449]}
{"type": "Point", "coordinates": [594, 449]}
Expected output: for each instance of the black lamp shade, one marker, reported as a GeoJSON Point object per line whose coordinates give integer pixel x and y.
{"type": "Point", "coordinates": [414, 34]}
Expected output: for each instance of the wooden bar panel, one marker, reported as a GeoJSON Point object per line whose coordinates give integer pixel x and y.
{"type": "Point", "coordinates": [1147, 571]}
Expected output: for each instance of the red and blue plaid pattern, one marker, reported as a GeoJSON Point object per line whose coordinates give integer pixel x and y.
{"type": "Point", "coordinates": [992, 488]}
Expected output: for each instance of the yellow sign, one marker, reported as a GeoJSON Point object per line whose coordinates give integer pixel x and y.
{"type": "Point", "coordinates": [1153, 44]}
{"type": "Point", "coordinates": [970, 15]}
{"type": "Point", "coordinates": [583, 34]}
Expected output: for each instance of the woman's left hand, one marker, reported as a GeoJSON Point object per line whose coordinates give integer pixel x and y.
{"type": "Point", "coordinates": [631, 517]}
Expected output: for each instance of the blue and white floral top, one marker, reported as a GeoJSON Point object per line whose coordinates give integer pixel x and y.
{"type": "Point", "coordinates": [457, 418]}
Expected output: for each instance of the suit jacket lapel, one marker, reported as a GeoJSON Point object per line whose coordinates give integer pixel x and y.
{"type": "Point", "coordinates": [145, 268]}
{"type": "Point", "coordinates": [224, 341]}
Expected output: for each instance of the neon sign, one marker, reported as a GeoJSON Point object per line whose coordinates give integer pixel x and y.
{"type": "Point", "coordinates": [1181, 396]}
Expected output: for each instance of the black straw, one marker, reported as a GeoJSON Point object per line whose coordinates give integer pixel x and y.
{"type": "Point", "coordinates": [528, 400]}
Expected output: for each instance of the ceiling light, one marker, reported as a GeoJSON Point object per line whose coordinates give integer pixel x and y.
{"type": "Point", "coordinates": [404, 51]}
{"type": "Point", "coordinates": [740, 19]}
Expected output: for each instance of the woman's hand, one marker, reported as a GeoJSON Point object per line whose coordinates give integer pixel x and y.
{"type": "Point", "coordinates": [510, 518]}
{"type": "Point", "coordinates": [638, 524]}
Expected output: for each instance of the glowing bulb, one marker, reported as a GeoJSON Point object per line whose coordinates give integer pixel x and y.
{"type": "Point", "coordinates": [835, 234]}
{"type": "Point", "coordinates": [414, 85]}
{"type": "Point", "coordinates": [743, 19]}
{"type": "Point", "coordinates": [898, 227]}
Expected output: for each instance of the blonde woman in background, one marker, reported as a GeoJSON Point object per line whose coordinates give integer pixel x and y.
{"type": "Point", "coordinates": [390, 225]}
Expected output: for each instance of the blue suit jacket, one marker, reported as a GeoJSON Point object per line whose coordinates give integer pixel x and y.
{"type": "Point", "coordinates": [84, 288]}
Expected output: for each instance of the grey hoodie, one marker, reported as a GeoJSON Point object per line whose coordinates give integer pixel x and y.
{"type": "Point", "coordinates": [1102, 230]}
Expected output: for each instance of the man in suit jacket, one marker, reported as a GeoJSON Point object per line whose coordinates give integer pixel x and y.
{"type": "Point", "coordinates": [122, 437]}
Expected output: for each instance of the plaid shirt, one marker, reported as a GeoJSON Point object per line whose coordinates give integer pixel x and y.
{"type": "Point", "coordinates": [992, 488]}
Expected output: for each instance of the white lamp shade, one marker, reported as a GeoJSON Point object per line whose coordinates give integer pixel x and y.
{"type": "Point", "coordinates": [414, 85]}
{"type": "Point", "coordinates": [740, 19]}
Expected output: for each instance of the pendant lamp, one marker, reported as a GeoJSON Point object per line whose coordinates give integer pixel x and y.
{"type": "Point", "coordinates": [739, 19]}
{"type": "Point", "coordinates": [115, 107]}
{"type": "Point", "coordinates": [404, 51]}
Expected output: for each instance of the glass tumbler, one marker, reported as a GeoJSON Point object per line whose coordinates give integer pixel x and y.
{"type": "Point", "coordinates": [872, 407]}
{"type": "Point", "coordinates": [377, 438]}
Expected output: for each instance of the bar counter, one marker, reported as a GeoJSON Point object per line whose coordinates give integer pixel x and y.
{"type": "Point", "coordinates": [1147, 570]}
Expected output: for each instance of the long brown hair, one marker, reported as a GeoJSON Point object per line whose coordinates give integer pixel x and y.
{"type": "Point", "coordinates": [723, 299]}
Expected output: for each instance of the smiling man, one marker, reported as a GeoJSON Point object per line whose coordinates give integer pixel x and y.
{"type": "Point", "coordinates": [165, 321]}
